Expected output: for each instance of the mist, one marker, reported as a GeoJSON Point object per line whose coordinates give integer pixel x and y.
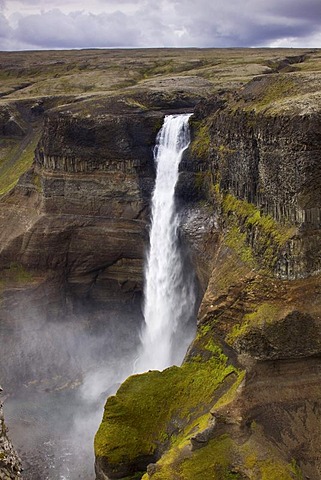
{"type": "Point", "coordinates": [57, 376]}
{"type": "Point", "coordinates": [59, 368]}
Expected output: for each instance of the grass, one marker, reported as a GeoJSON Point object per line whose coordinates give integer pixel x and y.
{"type": "Point", "coordinates": [201, 143]}
{"type": "Point", "coordinates": [245, 219]}
{"type": "Point", "coordinates": [16, 164]}
{"type": "Point", "coordinates": [16, 273]}
{"type": "Point", "coordinates": [150, 409]}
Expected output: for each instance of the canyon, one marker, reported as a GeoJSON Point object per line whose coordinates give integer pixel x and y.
{"type": "Point", "coordinates": [76, 177]}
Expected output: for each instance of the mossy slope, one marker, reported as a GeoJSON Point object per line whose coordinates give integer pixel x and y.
{"type": "Point", "coordinates": [224, 459]}
{"type": "Point", "coordinates": [151, 409]}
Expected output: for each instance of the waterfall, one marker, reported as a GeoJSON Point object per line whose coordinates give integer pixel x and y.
{"type": "Point", "coordinates": [168, 297]}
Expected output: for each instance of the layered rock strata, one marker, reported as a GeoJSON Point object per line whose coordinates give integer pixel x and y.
{"type": "Point", "coordinates": [85, 203]}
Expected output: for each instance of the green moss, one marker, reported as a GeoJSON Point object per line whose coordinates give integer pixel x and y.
{"type": "Point", "coordinates": [271, 469]}
{"type": "Point", "coordinates": [242, 218]}
{"type": "Point", "coordinates": [37, 183]}
{"type": "Point", "coordinates": [251, 216]}
{"type": "Point", "coordinates": [237, 331]}
{"type": "Point", "coordinates": [230, 395]}
{"type": "Point", "coordinates": [201, 144]}
{"type": "Point", "coordinates": [212, 461]}
{"type": "Point", "coordinates": [229, 272]}
{"type": "Point", "coordinates": [236, 240]}
{"type": "Point", "coordinates": [16, 273]}
{"type": "Point", "coordinates": [223, 459]}
{"type": "Point", "coordinates": [135, 103]}
{"type": "Point", "coordinates": [150, 407]}
{"type": "Point", "coordinates": [212, 347]}
{"type": "Point", "coordinates": [296, 470]}
{"type": "Point", "coordinates": [223, 151]}
{"type": "Point", "coordinates": [203, 330]}
{"type": "Point", "coordinates": [17, 163]}
{"type": "Point", "coordinates": [264, 313]}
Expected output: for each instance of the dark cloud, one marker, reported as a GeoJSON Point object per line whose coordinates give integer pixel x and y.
{"type": "Point", "coordinates": [307, 10]}
{"type": "Point", "coordinates": [256, 23]}
{"type": "Point", "coordinates": [55, 29]}
{"type": "Point", "coordinates": [5, 33]}
{"type": "Point", "coordinates": [202, 23]}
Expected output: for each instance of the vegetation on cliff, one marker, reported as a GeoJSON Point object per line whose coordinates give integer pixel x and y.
{"type": "Point", "coordinates": [150, 410]}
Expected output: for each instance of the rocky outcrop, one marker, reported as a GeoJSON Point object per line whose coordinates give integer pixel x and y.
{"type": "Point", "coordinates": [10, 464]}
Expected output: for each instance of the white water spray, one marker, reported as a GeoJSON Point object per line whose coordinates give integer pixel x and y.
{"type": "Point", "coordinates": [169, 298]}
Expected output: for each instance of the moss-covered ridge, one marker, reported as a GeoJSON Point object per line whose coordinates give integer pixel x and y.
{"type": "Point", "coordinates": [257, 238]}
{"type": "Point", "coordinates": [150, 410]}
{"type": "Point", "coordinates": [224, 459]}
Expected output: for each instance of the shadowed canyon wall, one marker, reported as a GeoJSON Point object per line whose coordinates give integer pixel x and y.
{"type": "Point", "coordinates": [245, 403]}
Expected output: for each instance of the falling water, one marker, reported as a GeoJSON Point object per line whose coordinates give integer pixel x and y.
{"type": "Point", "coordinates": [169, 298]}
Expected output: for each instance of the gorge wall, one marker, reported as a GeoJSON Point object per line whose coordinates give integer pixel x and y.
{"type": "Point", "coordinates": [77, 172]}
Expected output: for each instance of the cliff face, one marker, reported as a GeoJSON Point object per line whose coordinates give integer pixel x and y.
{"type": "Point", "coordinates": [73, 234]}
{"type": "Point", "coordinates": [250, 401]}
{"type": "Point", "coordinates": [80, 192]}
{"type": "Point", "coordinates": [271, 159]}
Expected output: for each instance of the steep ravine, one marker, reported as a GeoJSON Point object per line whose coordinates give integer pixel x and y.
{"type": "Point", "coordinates": [246, 402]}
{"type": "Point", "coordinates": [72, 250]}
{"type": "Point", "coordinates": [77, 172]}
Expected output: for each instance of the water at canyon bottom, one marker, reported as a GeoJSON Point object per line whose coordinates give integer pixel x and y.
{"type": "Point", "coordinates": [62, 372]}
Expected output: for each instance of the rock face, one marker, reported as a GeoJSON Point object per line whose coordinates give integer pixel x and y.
{"type": "Point", "coordinates": [271, 160]}
{"type": "Point", "coordinates": [74, 232]}
{"type": "Point", "coordinates": [86, 188]}
{"type": "Point", "coordinates": [10, 464]}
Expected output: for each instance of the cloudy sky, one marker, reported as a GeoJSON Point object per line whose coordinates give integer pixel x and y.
{"type": "Point", "coordinates": [48, 24]}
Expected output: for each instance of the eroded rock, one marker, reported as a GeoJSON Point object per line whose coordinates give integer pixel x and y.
{"type": "Point", "coordinates": [10, 463]}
